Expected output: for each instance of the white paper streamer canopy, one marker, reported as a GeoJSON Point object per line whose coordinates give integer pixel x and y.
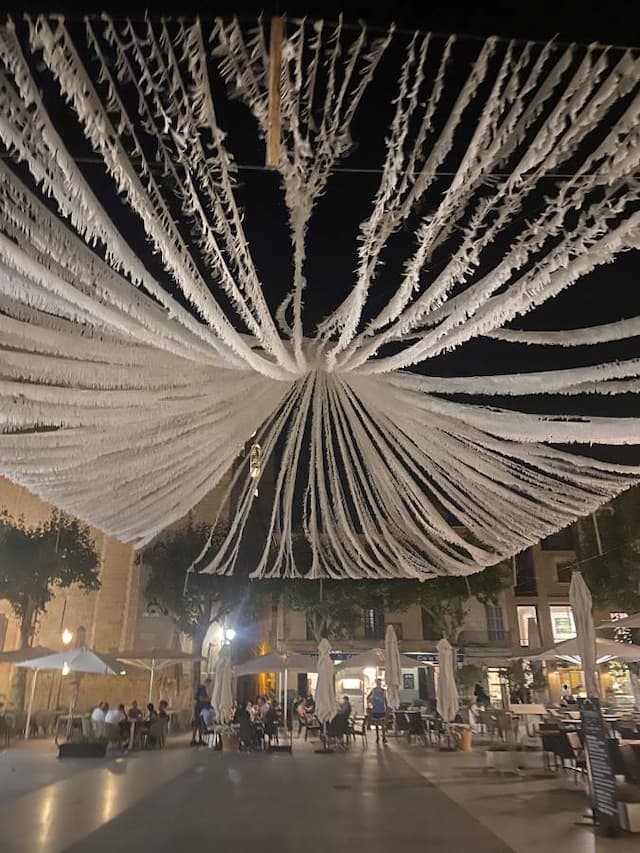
{"type": "Point", "coordinates": [146, 344]}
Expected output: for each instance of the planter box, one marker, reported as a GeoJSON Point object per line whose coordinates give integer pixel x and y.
{"type": "Point", "coordinates": [230, 743]}
{"type": "Point", "coordinates": [82, 750]}
{"type": "Point", "coordinates": [512, 760]}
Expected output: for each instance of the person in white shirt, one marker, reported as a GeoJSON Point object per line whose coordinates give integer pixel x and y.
{"type": "Point", "coordinates": [115, 715]}
{"type": "Point", "coordinates": [99, 713]}
{"type": "Point", "coordinates": [98, 718]}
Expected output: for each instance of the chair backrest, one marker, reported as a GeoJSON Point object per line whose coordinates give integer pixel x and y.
{"type": "Point", "coordinates": [338, 725]}
{"type": "Point", "coordinates": [574, 740]}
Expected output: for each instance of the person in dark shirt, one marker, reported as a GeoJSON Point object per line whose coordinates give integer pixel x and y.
{"type": "Point", "coordinates": [201, 701]}
{"type": "Point", "coordinates": [345, 707]}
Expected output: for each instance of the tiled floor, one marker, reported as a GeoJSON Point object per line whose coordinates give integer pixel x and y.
{"type": "Point", "coordinates": [380, 800]}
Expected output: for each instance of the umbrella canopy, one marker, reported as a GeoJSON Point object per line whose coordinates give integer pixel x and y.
{"type": "Point", "coordinates": [75, 660]}
{"type": "Point", "coordinates": [276, 662]}
{"type": "Point", "coordinates": [632, 621]}
{"type": "Point", "coordinates": [447, 700]}
{"type": "Point", "coordinates": [375, 658]}
{"type": "Point", "coordinates": [155, 659]}
{"type": "Point", "coordinates": [222, 698]}
{"type": "Point", "coordinates": [605, 650]}
{"type": "Point", "coordinates": [325, 688]}
{"type": "Point", "coordinates": [581, 604]}
{"type": "Point", "coordinates": [21, 655]}
{"type": "Point", "coordinates": [393, 668]}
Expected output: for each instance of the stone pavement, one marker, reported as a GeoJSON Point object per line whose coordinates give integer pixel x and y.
{"type": "Point", "coordinates": [379, 800]}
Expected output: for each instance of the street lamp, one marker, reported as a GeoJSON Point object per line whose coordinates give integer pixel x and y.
{"type": "Point", "coordinates": [229, 634]}
{"type": "Point", "coordinates": [67, 636]}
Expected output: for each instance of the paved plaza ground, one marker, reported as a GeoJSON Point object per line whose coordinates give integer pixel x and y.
{"type": "Point", "coordinates": [379, 800]}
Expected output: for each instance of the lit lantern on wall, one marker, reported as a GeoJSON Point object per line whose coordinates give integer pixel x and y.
{"type": "Point", "coordinates": [255, 464]}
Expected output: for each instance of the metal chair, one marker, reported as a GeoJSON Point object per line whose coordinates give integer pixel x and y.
{"type": "Point", "coordinates": [357, 728]}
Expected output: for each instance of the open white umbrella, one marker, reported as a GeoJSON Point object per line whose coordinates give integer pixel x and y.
{"type": "Point", "coordinates": [606, 650]}
{"type": "Point", "coordinates": [393, 668]}
{"type": "Point", "coordinates": [71, 660]}
{"type": "Point", "coordinates": [375, 659]}
{"type": "Point", "coordinates": [581, 604]}
{"type": "Point", "coordinates": [632, 621]}
{"type": "Point", "coordinates": [153, 660]}
{"type": "Point", "coordinates": [279, 662]}
{"type": "Point", "coordinates": [447, 701]}
{"type": "Point", "coordinates": [222, 698]}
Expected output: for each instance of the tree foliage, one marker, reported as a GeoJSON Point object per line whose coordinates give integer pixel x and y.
{"type": "Point", "coordinates": [334, 608]}
{"type": "Point", "coordinates": [205, 598]}
{"type": "Point", "coordinates": [35, 561]}
{"type": "Point", "coordinates": [613, 576]}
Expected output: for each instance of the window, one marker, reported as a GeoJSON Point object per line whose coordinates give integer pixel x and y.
{"type": "Point", "coordinates": [560, 541]}
{"type": "Point", "coordinates": [495, 623]}
{"type": "Point", "coordinates": [526, 614]}
{"type": "Point", "coordinates": [564, 569]}
{"type": "Point", "coordinates": [526, 574]}
{"type": "Point", "coordinates": [374, 623]}
{"type": "Point", "coordinates": [562, 623]}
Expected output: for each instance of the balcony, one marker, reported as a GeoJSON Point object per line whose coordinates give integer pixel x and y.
{"type": "Point", "coordinates": [485, 639]}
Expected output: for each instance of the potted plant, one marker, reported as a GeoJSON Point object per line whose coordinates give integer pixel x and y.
{"type": "Point", "coordinates": [228, 735]}
{"type": "Point", "coordinates": [463, 734]}
{"type": "Point", "coordinates": [83, 746]}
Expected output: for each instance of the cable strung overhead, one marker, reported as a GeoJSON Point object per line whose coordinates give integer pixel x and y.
{"type": "Point", "coordinates": [131, 381]}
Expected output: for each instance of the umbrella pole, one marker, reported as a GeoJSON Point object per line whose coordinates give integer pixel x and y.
{"type": "Point", "coordinates": [27, 725]}
{"type": "Point", "coordinates": [285, 704]}
{"type": "Point", "coordinates": [151, 677]}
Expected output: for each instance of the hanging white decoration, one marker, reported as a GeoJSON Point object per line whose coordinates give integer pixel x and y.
{"type": "Point", "coordinates": [125, 398]}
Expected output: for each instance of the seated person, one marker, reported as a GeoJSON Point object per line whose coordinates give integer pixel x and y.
{"type": "Point", "coordinates": [345, 707]}
{"type": "Point", "coordinates": [151, 713]}
{"type": "Point", "coordinates": [134, 713]}
{"type": "Point", "coordinates": [98, 719]}
{"type": "Point", "coordinates": [115, 716]}
{"type": "Point", "coordinates": [163, 709]}
{"type": "Point", "coordinates": [207, 718]}
{"type": "Point", "coordinates": [309, 704]}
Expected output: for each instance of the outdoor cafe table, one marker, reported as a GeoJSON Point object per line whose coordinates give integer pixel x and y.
{"type": "Point", "coordinates": [69, 719]}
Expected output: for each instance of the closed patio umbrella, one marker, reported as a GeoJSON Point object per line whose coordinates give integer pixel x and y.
{"type": "Point", "coordinates": [447, 700]}
{"type": "Point", "coordinates": [222, 698]}
{"type": "Point", "coordinates": [581, 604]}
{"type": "Point", "coordinates": [393, 673]}
{"type": "Point", "coordinates": [325, 688]}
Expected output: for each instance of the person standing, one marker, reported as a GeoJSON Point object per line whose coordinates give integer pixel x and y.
{"type": "Point", "coordinates": [377, 704]}
{"type": "Point", "coordinates": [201, 701]}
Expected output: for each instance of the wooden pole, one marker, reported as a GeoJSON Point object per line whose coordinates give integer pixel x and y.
{"type": "Point", "coordinates": [273, 116]}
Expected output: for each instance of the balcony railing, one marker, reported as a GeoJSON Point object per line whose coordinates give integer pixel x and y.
{"type": "Point", "coordinates": [492, 639]}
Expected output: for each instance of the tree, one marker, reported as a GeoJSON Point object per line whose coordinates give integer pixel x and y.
{"type": "Point", "coordinates": [205, 598]}
{"type": "Point", "coordinates": [34, 562]}
{"type": "Point", "coordinates": [447, 600]}
{"type": "Point", "coordinates": [609, 555]}
{"type": "Point", "coordinates": [334, 608]}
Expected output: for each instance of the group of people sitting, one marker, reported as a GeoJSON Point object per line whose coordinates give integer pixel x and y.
{"type": "Point", "coordinates": [103, 716]}
{"type": "Point", "coordinates": [256, 721]}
